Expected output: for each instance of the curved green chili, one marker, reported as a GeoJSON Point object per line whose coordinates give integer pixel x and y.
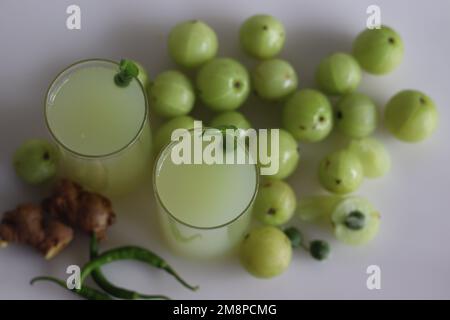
{"type": "Point", "coordinates": [109, 287]}
{"type": "Point", "coordinates": [85, 291]}
{"type": "Point", "coordinates": [131, 253]}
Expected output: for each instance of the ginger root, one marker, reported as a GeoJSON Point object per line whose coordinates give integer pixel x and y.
{"type": "Point", "coordinates": [57, 237]}
{"type": "Point", "coordinates": [27, 224]}
{"type": "Point", "coordinates": [50, 227]}
{"type": "Point", "coordinates": [87, 211]}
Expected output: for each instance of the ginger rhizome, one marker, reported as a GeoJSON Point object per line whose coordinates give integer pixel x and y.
{"type": "Point", "coordinates": [86, 211]}
{"type": "Point", "coordinates": [49, 227]}
{"type": "Point", "coordinates": [27, 224]}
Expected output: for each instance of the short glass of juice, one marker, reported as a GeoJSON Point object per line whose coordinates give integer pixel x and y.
{"type": "Point", "coordinates": [204, 209]}
{"type": "Point", "coordinates": [102, 130]}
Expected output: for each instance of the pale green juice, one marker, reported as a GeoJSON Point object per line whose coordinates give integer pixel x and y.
{"type": "Point", "coordinates": [204, 209]}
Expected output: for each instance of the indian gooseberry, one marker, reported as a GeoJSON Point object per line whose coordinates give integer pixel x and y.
{"type": "Point", "coordinates": [287, 155]}
{"type": "Point", "coordinates": [172, 94]}
{"type": "Point", "coordinates": [378, 51]}
{"type": "Point", "coordinates": [338, 74]}
{"type": "Point", "coordinates": [341, 172]}
{"type": "Point", "coordinates": [223, 84]}
{"type": "Point", "coordinates": [275, 203]}
{"type": "Point", "coordinates": [411, 116]}
{"type": "Point", "coordinates": [373, 156]}
{"type": "Point", "coordinates": [356, 115]}
{"type": "Point", "coordinates": [274, 79]}
{"type": "Point", "coordinates": [36, 161]}
{"type": "Point", "coordinates": [164, 132]}
{"type": "Point", "coordinates": [308, 115]}
{"type": "Point", "coordinates": [262, 36]}
{"type": "Point", "coordinates": [230, 118]}
{"type": "Point", "coordinates": [192, 43]}
{"type": "Point", "coordinates": [265, 252]}
{"type": "Point", "coordinates": [355, 221]}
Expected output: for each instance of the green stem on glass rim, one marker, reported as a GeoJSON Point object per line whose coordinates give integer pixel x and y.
{"type": "Point", "coordinates": [132, 253]}
{"type": "Point", "coordinates": [127, 71]}
{"type": "Point", "coordinates": [109, 287]}
{"type": "Point", "coordinates": [85, 291]}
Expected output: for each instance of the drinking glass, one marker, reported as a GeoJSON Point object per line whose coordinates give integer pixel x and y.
{"type": "Point", "coordinates": [204, 209]}
{"type": "Point", "coordinates": [102, 130]}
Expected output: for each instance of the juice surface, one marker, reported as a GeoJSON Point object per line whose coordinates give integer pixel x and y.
{"type": "Point", "coordinates": [203, 195]}
{"type": "Point", "coordinates": [90, 115]}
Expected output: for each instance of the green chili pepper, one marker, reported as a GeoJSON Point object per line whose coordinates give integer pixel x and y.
{"type": "Point", "coordinates": [85, 291]}
{"type": "Point", "coordinates": [131, 253]}
{"type": "Point", "coordinates": [110, 288]}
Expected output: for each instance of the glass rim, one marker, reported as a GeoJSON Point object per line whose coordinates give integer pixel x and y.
{"type": "Point", "coordinates": [165, 149]}
{"type": "Point", "coordinates": [100, 156]}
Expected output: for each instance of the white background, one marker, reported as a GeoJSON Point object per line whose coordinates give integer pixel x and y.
{"type": "Point", "coordinates": [412, 248]}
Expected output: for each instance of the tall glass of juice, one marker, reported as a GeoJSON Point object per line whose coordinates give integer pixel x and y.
{"type": "Point", "coordinates": [102, 129]}
{"type": "Point", "coordinates": [204, 209]}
